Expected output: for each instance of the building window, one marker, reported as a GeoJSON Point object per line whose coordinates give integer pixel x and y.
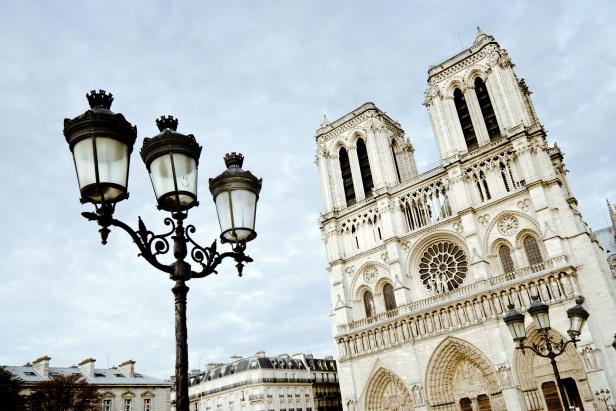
{"type": "Point", "coordinates": [486, 109]}
{"type": "Point", "coordinates": [128, 405]}
{"type": "Point", "coordinates": [393, 153]}
{"type": "Point", "coordinates": [389, 297]}
{"type": "Point", "coordinates": [364, 167]}
{"type": "Point", "coordinates": [106, 405]}
{"type": "Point", "coordinates": [531, 248]}
{"type": "Point", "coordinates": [465, 120]}
{"type": "Point", "coordinates": [504, 253]}
{"type": "Point", "coordinates": [368, 304]}
{"type": "Point", "coordinates": [147, 404]}
{"type": "Point", "coordinates": [347, 177]}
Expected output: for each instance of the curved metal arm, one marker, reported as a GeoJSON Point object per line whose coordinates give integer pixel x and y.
{"type": "Point", "coordinates": [152, 245]}
{"type": "Point", "coordinates": [548, 347]}
{"type": "Point", "coordinates": [209, 258]}
{"type": "Point", "coordinates": [145, 240]}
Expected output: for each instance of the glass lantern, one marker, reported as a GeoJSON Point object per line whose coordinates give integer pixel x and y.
{"type": "Point", "coordinates": [540, 313]}
{"type": "Point", "coordinates": [172, 160]}
{"type": "Point", "coordinates": [101, 142]}
{"type": "Point", "coordinates": [515, 322]}
{"type": "Point", "coordinates": [236, 192]}
{"type": "Point", "coordinates": [577, 318]}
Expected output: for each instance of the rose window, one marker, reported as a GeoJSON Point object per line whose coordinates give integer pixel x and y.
{"type": "Point", "coordinates": [443, 267]}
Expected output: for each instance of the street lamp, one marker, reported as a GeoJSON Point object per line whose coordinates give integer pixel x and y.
{"type": "Point", "coordinates": [548, 347]}
{"type": "Point", "coordinates": [101, 143]}
{"type": "Point", "coordinates": [604, 396]}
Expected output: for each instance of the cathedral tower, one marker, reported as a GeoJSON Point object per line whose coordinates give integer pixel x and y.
{"type": "Point", "coordinates": [423, 265]}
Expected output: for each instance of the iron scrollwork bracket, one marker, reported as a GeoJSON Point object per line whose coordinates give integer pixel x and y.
{"type": "Point", "coordinates": [549, 347]}
{"type": "Point", "coordinates": [153, 245]}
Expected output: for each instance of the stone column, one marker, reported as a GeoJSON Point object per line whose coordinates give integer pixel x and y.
{"type": "Point", "coordinates": [358, 184]}
{"type": "Point", "coordinates": [474, 109]}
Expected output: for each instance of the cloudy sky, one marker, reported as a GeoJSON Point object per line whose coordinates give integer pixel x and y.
{"type": "Point", "coordinates": [255, 77]}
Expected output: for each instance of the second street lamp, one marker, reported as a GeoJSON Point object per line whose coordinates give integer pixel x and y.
{"type": "Point", "coordinates": [102, 141]}
{"type": "Point", "coordinates": [548, 346]}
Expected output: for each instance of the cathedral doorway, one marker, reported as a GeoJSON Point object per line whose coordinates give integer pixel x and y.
{"type": "Point", "coordinates": [536, 377]}
{"type": "Point", "coordinates": [459, 374]}
{"type": "Point", "coordinates": [386, 392]}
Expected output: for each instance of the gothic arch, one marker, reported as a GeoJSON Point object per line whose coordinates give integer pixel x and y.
{"type": "Point", "coordinates": [356, 135]}
{"type": "Point", "coordinates": [456, 370]}
{"type": "Point", "coordinates": [493, 233]}
{"type": "Point", "coordinates": [358, 278]}
{"type": "Point", "coordinates": [473, 74]}
{"type": "Point", "coordinates": [532, 371]}
{"type": "Point", "coordinates": [386, 392]}
{"type": "Point", "coordinates": [456, 82]}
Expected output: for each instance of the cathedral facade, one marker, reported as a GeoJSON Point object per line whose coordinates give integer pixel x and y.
{"type": "Point", "coordinates": [422, 266]}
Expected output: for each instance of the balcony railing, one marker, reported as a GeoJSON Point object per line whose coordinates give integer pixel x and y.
{"type": "Point", "coordinates": [436, 300]}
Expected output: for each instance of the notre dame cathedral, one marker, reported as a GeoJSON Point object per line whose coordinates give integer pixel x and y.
{"type": "Point", "coordinates": [423, 266]}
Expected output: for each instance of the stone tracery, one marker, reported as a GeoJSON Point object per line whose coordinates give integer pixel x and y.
{"type": "Point", "coordinates": [386, 392]}
{"type": "Point", "coordinates": [443, 267]}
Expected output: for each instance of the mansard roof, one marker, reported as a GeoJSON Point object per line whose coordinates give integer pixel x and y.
{"type": "Point", "coordinates": [328, 126]}
{"type": "Point", "coordinates": [102, 376]}
{"type": "Point", "coordinates": [481, 40]}
{"type": "Point", "coordinates": [282, 362]}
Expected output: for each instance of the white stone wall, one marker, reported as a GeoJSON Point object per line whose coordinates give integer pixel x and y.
{"type": "Point", "coordinates": [372, 243]}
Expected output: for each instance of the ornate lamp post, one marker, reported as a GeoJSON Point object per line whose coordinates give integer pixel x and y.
{"type": "Point", "coordinates": [548, 347]}
{"type": "Point", "coordinates": [604, 396]}
{"type": "Point", "coordinates": [102, 142]}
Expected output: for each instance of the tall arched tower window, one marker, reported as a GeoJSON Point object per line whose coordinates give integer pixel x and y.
{"type": "Point", "coordinates": [347, 177]}
{"type": "Point", "coordinates": [389, 297]}
{"type": "Point", "coordinates": [393, 153]}
{"type": "Point", "coordinates": [486, 109]}
{"type": "Point", "coordinates": [369, 304]}
{"type": "Point", "coordinates": [364, 167]}
{"type": "Point", "coordinates": [465, 119]}
{"type": "Point", "coordinates": [504, 254]}
{"type": "Point", "coordinates": [531, 248]}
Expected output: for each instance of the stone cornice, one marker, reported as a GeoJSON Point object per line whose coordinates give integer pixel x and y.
{"type": "Point", "coordinates": [331, 130]}
{"type": "Point", "coordinates": [462, 60]}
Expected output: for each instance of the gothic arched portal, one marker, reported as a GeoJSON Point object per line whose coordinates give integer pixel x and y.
{"type": "Point", "coordinates": [386, 392]}
{"type": "Point", "coordinates": [457, 373]}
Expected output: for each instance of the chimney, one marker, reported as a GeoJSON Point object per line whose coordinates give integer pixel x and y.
{"type": "Point", "coordinates": [284, 356]}
{"type": "Point", "coordinates": [235, 358]}
{"type": "Point", "coordinates": [41, 365]}
{"type": "Point", "coordinates": [127, 368]}
{"type": "Point", "coordinates": [87, 367]}
{"type": "Point", "coordinates": [260, 354]}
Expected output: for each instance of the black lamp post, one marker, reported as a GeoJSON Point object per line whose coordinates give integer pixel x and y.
{"type": "Point", "coordinates": [102, 141]}
{"type": "Point", "coordinates": [548, 347]}
{"type": "Point", "coordinates": [604, 396]}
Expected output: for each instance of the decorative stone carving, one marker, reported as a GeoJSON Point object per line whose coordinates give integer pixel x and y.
{"type": "Point", "coordinates": [418, 395]}
{"type": "Point", "coordinates": [589, 355]}
{"type": "Point", "coordinates": [504, 372]}
{"type": "Point", "coordinates": [524, 204]}
{"type": "Point", "coordinates": [458, 227]}
{"type": "Point", "coordinates": [370, 274]}
{"type": "Point", "coordinates": [386, 392]}
{"type": "Point", "coordinates": [508, 225]}
{"type": "Point", "coordinates": [385, 257]}
{"type": "Point", "coordinates": [443, 267]}
{"type": "Point", "coordinates": [484, 220]}
{"type": "Point", "coordinates": [350, 270]}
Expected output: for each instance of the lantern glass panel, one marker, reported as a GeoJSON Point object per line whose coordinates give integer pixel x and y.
{"type": "Point", "coordinates": [112, 162]}
{"type": "Point", "coordinates": [542, 320]}
{"type": "Point", "coordinates": [236, 214]}
{"type": "Point", "coordinates": [576, 324]}
{"type": "Point", "coordinates": [161, 173]}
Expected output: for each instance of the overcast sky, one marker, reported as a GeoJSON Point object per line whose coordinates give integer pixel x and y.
{"type": "Point", "coordinates": [255, 77]}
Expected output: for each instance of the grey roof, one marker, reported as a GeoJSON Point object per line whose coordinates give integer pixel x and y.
{"type": "Point", "coordinates": [606, 238]}
{"type": "Point", "coordinates": [102, 376]}
{"type": "Point", "coordinates": [257, 362]}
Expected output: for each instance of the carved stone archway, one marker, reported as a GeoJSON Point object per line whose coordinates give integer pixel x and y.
{"type": "Point", "coordinates": [386, 392]}
{"type": "Point", "coordinates": [457, 370]}
{"type": "Point", "coordinates": [533, 371]}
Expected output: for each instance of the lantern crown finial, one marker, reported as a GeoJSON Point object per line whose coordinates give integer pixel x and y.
{"type": "Point", "coordinates": [167, 122]}
{"type": "Point", "coordinates": [580, 300]}
{"type": "Point", "coordinates": [234, 160]}
{"type": "Point", "coordinates": [99, 99]}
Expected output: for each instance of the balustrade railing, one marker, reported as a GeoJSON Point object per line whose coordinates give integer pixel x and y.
{"type": "Point", "coordinates": [438, 299]}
